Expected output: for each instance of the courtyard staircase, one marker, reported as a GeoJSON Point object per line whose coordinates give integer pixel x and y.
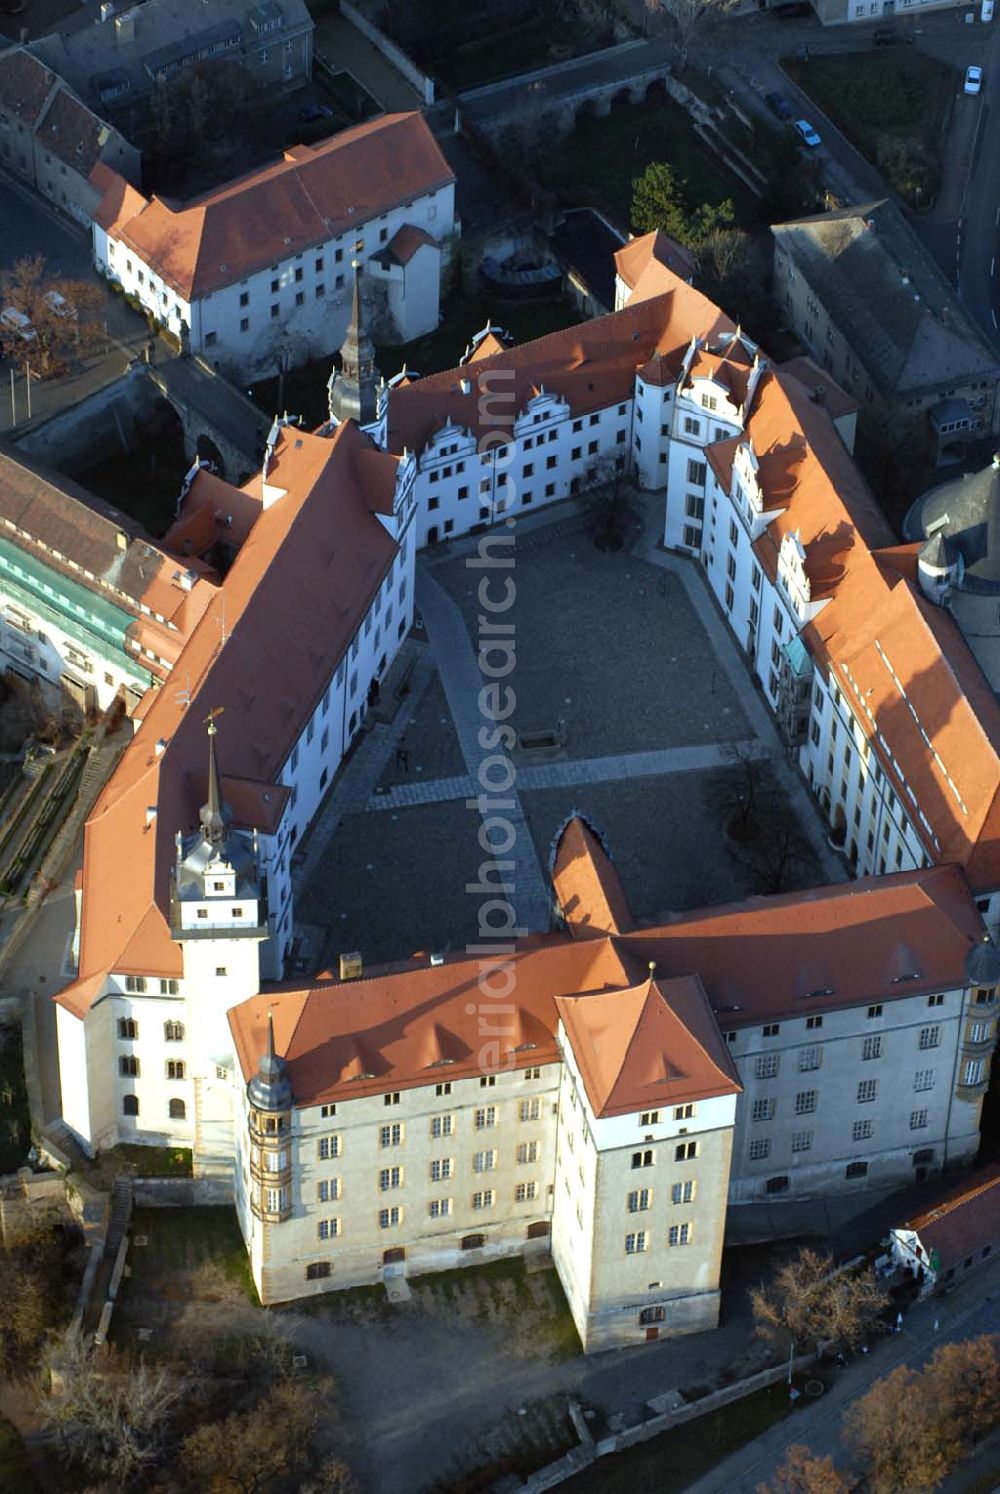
{"type": "Point", "coordinates": [121, 1213]}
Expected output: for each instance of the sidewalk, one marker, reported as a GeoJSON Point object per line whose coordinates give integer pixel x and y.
{"type": "Point", "coordinates": [969, 1310]}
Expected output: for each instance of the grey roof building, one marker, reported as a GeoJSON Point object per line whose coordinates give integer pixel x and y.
{"type": "Point", "coordinates": [115, 57]}
{"type": "Point", "coordinates": [872, 305]}
{"type": "Point", "coordinates": [957, 525]}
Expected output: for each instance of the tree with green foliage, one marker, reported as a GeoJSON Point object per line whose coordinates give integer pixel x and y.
{"type": "Point", "coordinates": [659, 203]}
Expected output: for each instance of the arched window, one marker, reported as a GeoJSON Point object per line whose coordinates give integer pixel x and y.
{"type": "Point", "coordinates": [173, 1032]}
{"type": "Point", "coordinates": [178, 1110]}
{"type": "Point", "coordinates": [130, 1105]}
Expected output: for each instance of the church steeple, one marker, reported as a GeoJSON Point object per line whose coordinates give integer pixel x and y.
{"type": "Point", "coordinates": [214, 816]}
{"type": "Point", "coordinates": [352, 389]}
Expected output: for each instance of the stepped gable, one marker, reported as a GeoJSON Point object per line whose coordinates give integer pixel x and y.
{"type": "Point", "coordinates": [590, 366]}
{"type": "Point", "coordinates": [255, 630]}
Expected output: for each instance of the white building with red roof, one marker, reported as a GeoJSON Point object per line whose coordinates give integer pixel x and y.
{"type": "Point", "coordinates": [258, 272]}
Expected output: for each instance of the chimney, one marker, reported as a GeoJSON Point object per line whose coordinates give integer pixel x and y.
{"type": "Point", "coordinates": [466, 386]}
{"type": "Point", "coordinates": [351, 966]}
{"type": "Point", "coordinates": [159, 750]}
{"type": "Point", "coordinates": [150, 814]}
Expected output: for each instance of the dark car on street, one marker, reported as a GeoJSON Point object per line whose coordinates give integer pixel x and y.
{"type": "Point", "coordinates": [778, 105]}
{"type": "Point", "coordinates": [886, 38]}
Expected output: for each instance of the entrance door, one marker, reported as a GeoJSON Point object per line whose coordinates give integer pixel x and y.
{"type": "Point", "coordinates": [393, 1257]}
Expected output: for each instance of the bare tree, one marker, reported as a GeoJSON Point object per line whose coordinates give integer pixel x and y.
{"type": "Point", "coordinates": [65, 316]}
{"type": "Point", "coordinates": [741, 789]}
{"type": "Point", "coordinates": [112, 1415]}
{"type": "Point", "coordinates": [688, 16]}
{"type": "Point", "coordinates": [249, 1452]}
{"type": "Point", "coordinates": [810, 1302]}
{"type": "Point", "coordinates": [609, 503]}
{"type": "Point", "coordinates": [802, 1472]}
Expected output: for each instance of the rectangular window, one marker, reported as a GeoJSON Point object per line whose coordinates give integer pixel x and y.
{"type": "Point", "coordinates": [390, 1177]}
{"type": "Point", "coordinates": [767, 1065]}
{"type": "Point", "coordinates": [128, 1066]}
{"type": "Point", "coordinates": [697, 472]}
{"type": "Point", "coordinates": [441, 1169]}
{"type": "Point", "coordinates": [635, 1243]}
{"type": "Point", "coordinates": [128, 1029]}
{"type": "Point", "coordinates": [874, 1011]}
{"type": "Point", "coordinates": [679, 1234]}
{"type": "Point", "coordinates": [390, 1135]}
{"type": "Point", "coordinates": [328, 1146]}
{"type": "Point", "coordinates": [867, 1090]}
{"type": "Point", "coordinates": [681, 1112]}
{"type": "Point", "coordinates": [530, 1110]}
{"type": "Point", "coordinates": [918, 1120]}
{"type": "Point", "coordinates": [810, 1058]}
{"type": "Point", "coordinates": [763, 1110]}
{"type": "Point", "coordinates": [638, 1200]}
{"type": "Point", "coordinates": [439, 1208]}
{"type": "Point", "coordinates": [686, 1151]}
{"type": "Point", "coordinates": [175, 1068]}
{"type": "Point", "coordinates": [389, 1218]}
{"type": "Point", "coordinates": [683, 1193]}
{"type": "Point", "coordinates": [930, 1037]}
{"type": "Point", "coordinates": [486, 1117]}
{"type": "Point", "coordinates": [484, 1161]}
{"type": "Point", "coordinates": [525, 1192]}
{"type": "Point", "coordinates": [806, 1101]}
{"type": "Point", "coordinates": [856, 1170]}
{"type": "Point", "coordinates": [802, 1141]}
{"type": "Point", "coordinates": [328, 1190]}
{"type": "Point", "coordinates": [135, 983]}
{"type": "Point", "coordinates": [871, 1047]}
{"type": "Point", "coordinates": [328, 1229]}
{"type": "Point", "coordinates": [861, 1130]}
{"type": "Point", "coordinates": [642, 1159]}
{"type": "Point", "coordinates": [760, 1149]}
{"type": "Point", "coordinates": [391, 1099]}
{"type": "Point", "coordinates": [441, 1125]}
{"type": "Point", "coordinates": [973, 1071]}
{"type": "Point", "coordinates": [483, 1199]}
{"type": "Point", "coordinates": [923, 1079]}
{"type": "Point", "coordinates": [527, 1151]}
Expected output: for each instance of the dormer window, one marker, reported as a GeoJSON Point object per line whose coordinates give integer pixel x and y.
{"type": "Point", "coordinates": [218, 886]}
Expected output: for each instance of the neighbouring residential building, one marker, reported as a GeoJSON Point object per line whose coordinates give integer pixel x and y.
{"type": "Point", "coordinates": [116, 54]}
{"type": "Point", "coordinates": [257, 274]}
{"type": "Point", "coordinates": [943, 1243]}
{"type": "Point", "coordinates": [90, 606]}
{"type": "Point", "coordinates": [872, 306]}
{"type": "Point", "coordinates": [839, 12]}
{"type": "Point", "coordinates": [643, 1081]}
{"type": "Point", "coordinates": [52, 141]}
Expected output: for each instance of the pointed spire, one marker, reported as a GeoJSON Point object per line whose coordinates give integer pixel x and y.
{"type": "Point", "coordinates": [352, 389]}
{"type": "Point", "coordinates": [269, 1089]}
{"type": "Point", "coordinates": [213, 815]}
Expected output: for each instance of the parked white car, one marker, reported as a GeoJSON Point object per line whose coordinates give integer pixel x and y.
{"type": "Point", "coordinates": [986, 12]}
{"type": "Point", "coordinates": [973, 79]}
{"type": "Point", "coordinates": [807, 133]}
{"type": "Point", "coordinates": [58, 305]}
{"type": "Point", "coordinates": [16, 323]}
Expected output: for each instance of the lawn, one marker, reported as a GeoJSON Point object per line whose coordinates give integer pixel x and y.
{"type": "Point", "coordinates": [894, 107]}
{"type": "Point", "coordinates": [180, 1241]}
{"type": "Point", "coordinates": [678, 1458]}
{"type": "Point", "coordinates": [149, 1161]}
{"type": "Point", "coordinates": [15, 1119]}
{"type": "Point", "coordinates": [618, 148]}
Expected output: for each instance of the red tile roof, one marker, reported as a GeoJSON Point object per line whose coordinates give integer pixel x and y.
{"type": "Point", "coordinates": [632, 258]}
{"type": "Point", "coordinates": [591, 366]}
{"type": "Point", "coordinates": [25, 84]}
{"type": "Point", "coordinates": [314, 193]}
{"type": "Point", "coordinates": [267, 666]}
{"type": "Point", "coordinates": [588, 890]}
{"type": "Point", "coordinates": [964, 1221]}
{"type": "Point", "coordinates": [651, 1045]}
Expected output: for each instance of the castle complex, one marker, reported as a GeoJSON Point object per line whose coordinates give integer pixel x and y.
{"type": "Point", "coordinates": [633, 1084]}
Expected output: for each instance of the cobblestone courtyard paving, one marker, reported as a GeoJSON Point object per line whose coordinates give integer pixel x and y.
{"type": "Point", "coordinates": [626, 655]}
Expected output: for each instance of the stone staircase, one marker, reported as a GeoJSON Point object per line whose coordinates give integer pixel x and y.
{"type": "Point", "coordinates": [121, 1213]}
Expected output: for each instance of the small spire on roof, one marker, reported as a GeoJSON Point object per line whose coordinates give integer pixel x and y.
{"type": "Point", "coordinates": [213, 815]}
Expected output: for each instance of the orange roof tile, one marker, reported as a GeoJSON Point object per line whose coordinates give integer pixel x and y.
{"type": "Point", "coordinates": [653, 1044]}
{"type": "Point", "coordinates": [589, 893]}
{"type": "Point", "coordinates": [404, 244]}
{"type": "Point", "coordinates": [314, 193]}
{"type": "Point", "coordinates": [419, 1023]}
{"type": "Point", "coordinates": [821, 949]}
{"type": "Point", "coordinates": [659, 248]}
{"type": "Point", "coordinates": [591, 365]}
{"type": "Point", "coordinates": [265, 659]}
{"type": "Point", "coordinates": [966, 1219]}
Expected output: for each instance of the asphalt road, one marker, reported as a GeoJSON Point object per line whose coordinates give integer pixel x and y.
{"type": "Point", "coordinates": [979, 243]}
{"type": "Point", "coordinates": [30, 226]}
